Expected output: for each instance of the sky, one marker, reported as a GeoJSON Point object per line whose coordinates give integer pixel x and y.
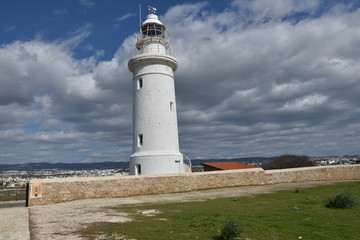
{"type": "Point", "coordinates": [256, 78]}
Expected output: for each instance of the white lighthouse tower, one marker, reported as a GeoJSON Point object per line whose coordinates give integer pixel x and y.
{"type": "Point", "coordinates": [155, 129]}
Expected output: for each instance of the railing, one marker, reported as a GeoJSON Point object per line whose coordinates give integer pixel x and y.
{"type": "Point", "coordinates": [187, 162]}
{"type": "Point", "coordinates": [168, 50]}
{"type": "Point", "coordinates": [135, 51]}
{"type": "Point", "coordinates": [143, 36]}
{"type": "Point", "coordinates": [13, 194]}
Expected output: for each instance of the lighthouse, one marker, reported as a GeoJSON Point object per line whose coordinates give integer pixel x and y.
{"type": "Point", "coordinates": [155, 128]}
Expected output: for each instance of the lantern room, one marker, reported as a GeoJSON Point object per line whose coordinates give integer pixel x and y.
{"type": "Point", "coordinates": [152, 36]}
{"type": "Point", "coordinates": [152, 27]}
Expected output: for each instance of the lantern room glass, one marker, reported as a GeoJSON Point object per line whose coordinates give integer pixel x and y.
{"type": "Point", "coordinates": [152, 30]}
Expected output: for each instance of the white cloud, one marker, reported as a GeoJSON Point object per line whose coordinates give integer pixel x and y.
{"type": "Point", "coordinates": [244, 88]}
{"type": "Point", "coordinates": [260, 10]}
{"type": "Point", "coordinates": [87, 3]}
{"type": "Point", "coordinates": [125, 16]}
{"type": "Point", "coordinates": [122, 18]}
{"type": "Point", "coordinates": [10, 28]}
{"type": "Point", "coordinates": [259, 72]}
{"type": "Point", "coordinates": [305, 103]}
{"type": "Point", "coordinates": [61, 12]}
{"type": "Point", "coordinates": [48, 96]}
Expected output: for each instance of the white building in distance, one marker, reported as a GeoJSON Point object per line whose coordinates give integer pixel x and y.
{"type": "Point", "coordinates": [155, 129]}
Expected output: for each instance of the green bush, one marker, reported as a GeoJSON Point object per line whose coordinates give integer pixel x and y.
{"type": "Point", "coordinates": [230, 231]}
{"type": "Point", "coordinates": [342, 200]}
{"type": "Point", "coordinates": [288, 161]}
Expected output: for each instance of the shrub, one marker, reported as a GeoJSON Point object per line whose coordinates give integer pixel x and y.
{"type": "Point", "coordinates": [342, 200]}
{"type": "Point", "coordinates": [230, 231]}
{"type": "Point", "coordinates": [288, 161]}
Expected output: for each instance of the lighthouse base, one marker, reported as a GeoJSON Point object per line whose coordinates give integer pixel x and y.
{"type": "Point", "coordinates": [156, 164]}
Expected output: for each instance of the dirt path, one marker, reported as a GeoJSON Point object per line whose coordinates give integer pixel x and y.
{"type": "Point", "coordinates": [61, 221]}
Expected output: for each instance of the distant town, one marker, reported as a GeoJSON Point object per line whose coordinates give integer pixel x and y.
{"type": "Point", "coordinates": [19, 178]}
{"type": "Point", "coordinates": [15, 178]}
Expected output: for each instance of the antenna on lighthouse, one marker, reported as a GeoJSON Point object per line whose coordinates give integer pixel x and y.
{"type": "Point", "coordinates": [139, 14]}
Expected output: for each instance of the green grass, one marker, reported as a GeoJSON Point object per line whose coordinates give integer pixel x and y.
{"type": "Point", "coordinates": [7, 187]}
{"type": "Point", "coordinates": [281, 215]}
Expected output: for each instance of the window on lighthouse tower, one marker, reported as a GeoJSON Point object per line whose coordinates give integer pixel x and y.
{"type": "Point", "coordinates": [139, 83]}
{"type": "Point", "coordinates": [171, 106]}
{"type": "Point", "coordinates": [140, 140]}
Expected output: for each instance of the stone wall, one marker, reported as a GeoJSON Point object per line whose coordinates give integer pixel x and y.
{"type": "Point", "coordinates": [47, 191]}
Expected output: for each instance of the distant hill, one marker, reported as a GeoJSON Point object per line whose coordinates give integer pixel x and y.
{"type": "Point", "coordinates": [242, 160]}
{"type": "Point", "coordinates": [109, 165]}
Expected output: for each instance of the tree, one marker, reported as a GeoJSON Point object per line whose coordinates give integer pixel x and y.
{"type": "Point", "coordinates": [288, 161]}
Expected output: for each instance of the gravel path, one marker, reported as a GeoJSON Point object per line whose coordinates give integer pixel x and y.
{"type": "Point", "coordinates": [61, 221]}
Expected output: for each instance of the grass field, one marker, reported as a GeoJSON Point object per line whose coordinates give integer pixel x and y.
{"type": "Point", "coordinates": [12, 194]}
{"type": "Point", "coordinates": [295, 214]}
{"type": "Point", "coordinates": [7, 187]}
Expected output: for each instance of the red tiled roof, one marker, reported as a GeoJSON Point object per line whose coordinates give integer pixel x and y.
{"type": "Point", "coordinates": [228, 165]}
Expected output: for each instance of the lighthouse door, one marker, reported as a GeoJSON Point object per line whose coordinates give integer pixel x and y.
{"type": "Point", "coordinates": [138, 169]}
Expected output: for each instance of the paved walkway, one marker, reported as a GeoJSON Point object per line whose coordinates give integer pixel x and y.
{"type": "Point", "coordinates": [14, 223]}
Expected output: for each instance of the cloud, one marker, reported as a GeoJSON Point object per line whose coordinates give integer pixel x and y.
{"type": "Point", "coordinates": [264, 10]}
{"type": "Point", "coordinates": [305, 103]}
{"type": "Point", "coordinates": [125, 16]}
{"type": "Point", "coordinates": [300, 77]}
{"type": "Point", "coordinates": [122, 18]}
{"type": "Point", "coordinates": [87, 3]}
{"type": "Point", "coordinates": [61, 12]}
{"type": "Point", "coordinates": [10, 28]}
{"type": "Point", "coordinates": [49, 97]}
{"type": "Point", "coordinates": [283, 80]}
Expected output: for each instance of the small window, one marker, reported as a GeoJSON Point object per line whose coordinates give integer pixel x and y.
{"type": "Point", "coordinates": [171, 106]}
{"type": "Point", "coordinates": [140, 140]}
{"type": "Point", "coordinates": [139, 83]}
{"type": "Point", "coordinates": [151, 30]}
{"type": "Point", "coordinates": [138, 169]}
